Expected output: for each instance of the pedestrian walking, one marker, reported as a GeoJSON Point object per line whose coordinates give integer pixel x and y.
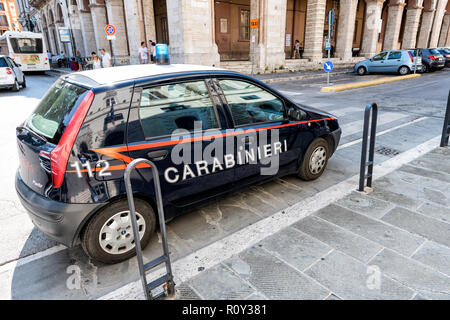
{"type": "Point", "coordinates": [106, 59]}
{"type": "Point", "coordinates": [143, 53]}
{"type": "Point", "coordinates": [96, 62]}
{"type": "Point", "coordinates": [80, 61]}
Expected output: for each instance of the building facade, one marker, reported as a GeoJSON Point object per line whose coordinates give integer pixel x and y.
{"type": "Point", "coordinates": [8, 16]}
{"type": "Point", "coordinates": [215, 32]}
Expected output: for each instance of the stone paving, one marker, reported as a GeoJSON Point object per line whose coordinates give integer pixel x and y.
{"type": "Point", "coordinates": [392, 243]}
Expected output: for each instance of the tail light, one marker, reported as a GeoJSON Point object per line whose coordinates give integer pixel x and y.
{"type": "Point", "coordinates": [410, 55]}
{"type": "Point", "coordinates": [60, 155]}
{"type": "Point", "coordinates": [8, 71]}
{"type": "Point", "coordinates": [432, 57]}
{"type": "Point", "coordinates": [447, 55]}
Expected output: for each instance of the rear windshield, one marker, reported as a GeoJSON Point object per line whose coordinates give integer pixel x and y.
{"type": "Point", "coordinates": [53, 113]}
{"type": "Point", "coordinates": [435, 51]}
{"type": "Point", "coordinates": [26, 45]}
{"type": "Point", "coordinates": [3, 63]}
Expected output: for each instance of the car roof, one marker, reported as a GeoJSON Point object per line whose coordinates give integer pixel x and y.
{"type": "Point", "coordinates": [105, 76]}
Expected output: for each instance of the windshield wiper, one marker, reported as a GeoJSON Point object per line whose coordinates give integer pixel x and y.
{"type": "Point", "coordinates": [20, 128]}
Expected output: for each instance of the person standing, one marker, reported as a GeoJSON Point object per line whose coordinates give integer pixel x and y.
{"type": "Point", "coordinates": [153, 52]}
{"type": "Point", "coordinates": [143, 53]}
{"type": "Point", "coordinates": [297, 50]}
{"type": "Point", "coordinates": [106, 59]}
{"type": "Point", "coordinates": [79, 60]}
{"type": "Point", "coordinates": [96, 62]}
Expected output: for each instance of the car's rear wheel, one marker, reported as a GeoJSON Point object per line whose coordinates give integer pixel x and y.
{"type": "Point", "coordinates": [361, 71]}
{"type": "Point", "coordinates": [108, 236]}
{"type": "Point", "coordinates": [424, 68]}
{"type": "Point", "coordinates": [315, 160]}
{"type": "Point", "coordinates": [403, 70]}
{"type": "Point", "coordinates": [16, 86]}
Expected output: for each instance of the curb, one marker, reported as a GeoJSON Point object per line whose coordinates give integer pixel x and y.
{"type": "Point", "coordinates": [309, 76]}
{"type": "Point", "coordinates": [354, 85]}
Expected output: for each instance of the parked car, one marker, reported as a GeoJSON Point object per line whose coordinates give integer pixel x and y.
{"type": "Point", "coordinates": [11, 76]}
{"type": "Point", "coordinates": [446, 53]}
{"type": "Point", "coordinates": [432, 59]}
{"type": "Point", "coordinates": [58, 59]}
{"type": "Point", "coordinates": [393, 61]}
{"type": "Point", "coordinates": [75, 146]}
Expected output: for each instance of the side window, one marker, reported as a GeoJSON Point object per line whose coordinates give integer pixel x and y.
{"type": "Point", "coordinates": [12, 63]}
{"type": "Point", "coordinates": [380, 56]}
{"type": "Point", "coordinates": [251, 104]}
{"type": "Point", "coordinates": [3, 63]}
{"type": "Point", "coordinates": [395, 55]}
{"type": "Point", "coordinates": [167, 108]}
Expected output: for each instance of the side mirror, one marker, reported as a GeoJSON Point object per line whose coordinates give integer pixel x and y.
{"type": "Point", "coordinates": [19, 65]}
{"type": "Point", "coordinates": [296, 114]}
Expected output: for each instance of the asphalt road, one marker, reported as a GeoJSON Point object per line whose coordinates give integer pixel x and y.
{"type": "Point", "coordinates": [33, 267]}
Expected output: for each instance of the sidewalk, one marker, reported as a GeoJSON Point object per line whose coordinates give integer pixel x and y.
{"type": "Point", "coordinates": [393, 243]}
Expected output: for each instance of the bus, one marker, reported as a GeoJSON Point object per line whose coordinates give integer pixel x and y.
{"type": "Point", "coordinates": [25, 48]}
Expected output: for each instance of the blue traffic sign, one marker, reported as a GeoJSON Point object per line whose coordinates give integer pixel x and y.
{"type": "Point", "coordinates": [328, 66]}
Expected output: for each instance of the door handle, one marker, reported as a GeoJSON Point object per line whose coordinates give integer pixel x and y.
{"type": "Point", "coordinates": [158, 154]}
{"type": "Point", "coordinates": [246, 140]}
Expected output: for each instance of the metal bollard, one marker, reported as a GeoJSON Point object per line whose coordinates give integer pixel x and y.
{"type": "Point", "coordinates": [446, 128]}
{"type": "Point", "coordinates": [373, 131]}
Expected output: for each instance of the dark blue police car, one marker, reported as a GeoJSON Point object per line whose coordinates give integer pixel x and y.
{"type": "Point", "coordinates": [209, 131]}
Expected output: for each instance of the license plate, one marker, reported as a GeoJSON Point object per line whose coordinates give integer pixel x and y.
{"type": "Point", "coordinates": [158, 290]}
{"type": "Point", "coordinates": [31, 66]}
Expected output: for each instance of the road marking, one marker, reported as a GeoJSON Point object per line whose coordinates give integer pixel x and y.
{"type": "Point", "coordinates": [357, 126]}
{"type": "Point", "coordinates": [209, 256]}
{"type": "Point", "coordinates": [344, 111]}
{"type": "Point", "coordinates": [351, 143]}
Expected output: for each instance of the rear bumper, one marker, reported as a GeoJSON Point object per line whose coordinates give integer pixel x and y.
{"type": "Point", "coordinates": [59, 221]}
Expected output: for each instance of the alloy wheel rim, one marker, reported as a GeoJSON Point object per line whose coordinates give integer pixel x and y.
{"type": "Point", "coordinates": [116, 234]}
{"type": "Point", "coordinates": [317, 160]}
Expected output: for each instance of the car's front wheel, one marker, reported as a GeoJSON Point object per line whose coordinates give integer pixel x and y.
{"type": "Point", "coordinates": [24, 83]}
{"type": "Point", "coordinates": [315, 160]}
{"type": "Point", "coordinates": [424, 68]}
{"type": "Point", "coordinates": [108, 236]}
{"type": "Point", "coordinates": [361, 71]}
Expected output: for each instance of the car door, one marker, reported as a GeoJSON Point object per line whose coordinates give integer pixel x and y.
{"type": "Point", "coordinates": [377, 63]}
{"type": "Point", "coordinates": [16, 69]}
{"type": "Point", "coordinates": [264, 143]}
{"type": "Point", "coordinates": [393, 61]}
{"type": "Point", "coordinates": [176, 124]}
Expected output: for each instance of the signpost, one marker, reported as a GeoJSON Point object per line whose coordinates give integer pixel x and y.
{"type": "Point", "coordinates": [253, 25]}
{"type": "Point", "coordinates": [110, 32]}
{"type": "Point", "coordinates": [328, 66]}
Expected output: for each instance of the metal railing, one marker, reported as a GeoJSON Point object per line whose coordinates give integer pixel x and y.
{"type": "Point", "coordinates": [373, 130]}
{"type": "Point", "coordinates": [164, 285]}
{"type": "Point", "coordinates": [446, 127]}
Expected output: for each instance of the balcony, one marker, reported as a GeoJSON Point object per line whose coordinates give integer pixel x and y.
{"type": "Point", "coordinates": [36, 3]}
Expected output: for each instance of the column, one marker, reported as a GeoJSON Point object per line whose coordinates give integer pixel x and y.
{"type": "Point", "coordinates": [87, 31]}
{"type": "Point", "coordinates": [315, 19]}
{"type": "Point", "coordinates": [191, 32]}
{"type": "Point", "coordinates": [149, 20]}
{"type": "Point", "coordinates": [425, 28]}
{"type": "Point", "coordinates": [273, 29]}
{"type": "Point", "coordinates": [411, 25]}
{"type": "Point", "coordinates": [346, 28]}
{"type": "Point", "coordinates": [447, 42]}
{"type": "Point", "coordinates": [437, 24]}
{"type": "Point", "coordinates": [98, 15]}
{"type": "Point", "coordinates": [77, 33]}
{"type": "Point", "coordinates": [52, 40]}
{"type": "Point", "coordinates": [372, 27]}
{"type": "Point", "coordinates": [394, 22]}
{"type": "Point", "coordinates": [134, 31]}
{"type": "Point", "coordinates": [116, 17]}
{"type": "Point", "coordinates": [444, 30]}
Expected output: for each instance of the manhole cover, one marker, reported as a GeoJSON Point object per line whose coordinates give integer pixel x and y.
{"type": "Point", "coordinates": [386, 151]}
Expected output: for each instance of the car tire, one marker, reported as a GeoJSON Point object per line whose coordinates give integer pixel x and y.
{"type": "Point", "coordinates": [424, 68]}
{"type": "Point", "coordinates": [24, 83]}
{"type": "Point", "coordinates": [315, 160]}
{"type": "Point", "coordinates": [16, 86]}
{"type": "Point", "coordinates": [361, 71]}
{"type": "Point", "coordinates": [403, 70]}
{"type": "Point", "coordinates": [100, 247]}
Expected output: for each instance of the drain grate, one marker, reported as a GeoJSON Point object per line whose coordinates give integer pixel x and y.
{"type": "Point", "coordinates": [387, 151]}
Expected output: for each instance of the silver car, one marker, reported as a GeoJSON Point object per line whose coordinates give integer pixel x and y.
{"type": "Point", "coordinates": [393, 61]}
{"type": "Point", "coordinates": [10, 74]}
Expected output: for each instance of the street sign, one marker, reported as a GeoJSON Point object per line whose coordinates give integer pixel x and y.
{"type": "Point", "coordinates": [254, 24]}
{"type": "Point", "coordinates": [110, 30]}
{"type": "Point", "coordinates": [328, 66]}
{"type": "Point", "coordinates": [64, 34]}
{"type": "Point", "coordinates": [331, 22]}
{"type": "Point", "coordinates": [113, 37]}
{"type": "Point", "coordinates": [327, 44]}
